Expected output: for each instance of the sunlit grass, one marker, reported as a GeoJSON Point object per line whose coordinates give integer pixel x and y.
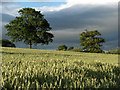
{"type": "Point", "coordinates": [32, 68]}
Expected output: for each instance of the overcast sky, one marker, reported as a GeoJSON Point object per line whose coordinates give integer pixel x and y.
{"type": "Point", "coordinates": [68, 18]}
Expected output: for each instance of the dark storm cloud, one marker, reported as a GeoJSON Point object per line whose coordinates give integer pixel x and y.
{"type": "Point", "coordinates": [80, 16]}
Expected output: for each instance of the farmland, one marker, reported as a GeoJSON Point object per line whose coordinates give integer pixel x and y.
{"type": "Point", "coordinates": [35, 69]}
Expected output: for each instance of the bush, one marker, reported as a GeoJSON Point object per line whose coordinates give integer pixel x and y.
{"type": "Point", "coordinates": [114, 51]}
{"type": "Point", "coordinates": [6, 43]}
{"type": "Point", "coordinates": [76, 49]}
{"type": "Point", "coordinates": [71, 48]}
{"type": "Point", "coordinates": [62, 47]}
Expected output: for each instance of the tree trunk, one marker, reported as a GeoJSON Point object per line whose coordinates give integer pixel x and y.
{"type": "Point", "coordinates": [30, 45]}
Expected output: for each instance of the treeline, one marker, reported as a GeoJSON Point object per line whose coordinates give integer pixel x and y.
{"type": "Point", "coordinates": [6, 43]}
{"type": "Point", "coordinates": [78, 49]}
{"type": "Point", "coordinates": [114, 51]}
{"type": "Point", "coordinates": [65, 48]}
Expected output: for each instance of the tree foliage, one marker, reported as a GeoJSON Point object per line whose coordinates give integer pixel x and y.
{"type": "Point", "coordinates": [91, 41]}
{"type": "Point", "coordinates": [30, 27]}
{"type": "Point", "coordinates": [77, 49]}
{"type": "Point", "coordinates": [114, 51]}
{"type": "Point", "coordinates": [62, 47]}
{"type": "Point", "coordinates": [70, 48]}
{"type": "Point", "coordinates": [6, 43]}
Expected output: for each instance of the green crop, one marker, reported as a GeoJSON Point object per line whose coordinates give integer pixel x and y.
{"type": "Point", "coordinates": [35, 69]}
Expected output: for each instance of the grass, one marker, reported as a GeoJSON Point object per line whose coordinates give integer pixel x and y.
{"type": "Point", "coordinates": [32, 68]}
{"type": "Point", "coordinates": [50, 54]}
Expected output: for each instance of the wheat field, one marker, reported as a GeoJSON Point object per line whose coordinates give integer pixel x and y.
{"type": "Point", "coordinates": [35, 69]}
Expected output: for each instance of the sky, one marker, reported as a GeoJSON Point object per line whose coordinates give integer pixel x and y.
{"type": "Point", "coordinates": [68, 18]}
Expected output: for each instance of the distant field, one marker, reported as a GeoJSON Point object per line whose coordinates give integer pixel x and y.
{"type": "Point", "coordinates": [65, 55]}
{"type": "Point", "coordinates": [32, 68]}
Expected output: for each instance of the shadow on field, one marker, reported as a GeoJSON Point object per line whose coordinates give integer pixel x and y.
{"type": "Point", "coordinates": [13, 53]}
{"type": "Point", "coordinates": [36, 53]}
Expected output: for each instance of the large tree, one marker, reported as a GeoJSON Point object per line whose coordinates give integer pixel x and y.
{"type": "Point", "coordinates": [90, 41]}
{"type": "Point", "coordinates": [31, 27]}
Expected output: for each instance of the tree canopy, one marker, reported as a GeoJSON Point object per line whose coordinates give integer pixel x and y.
{"type": "Point", "coordinates": [6, 43]}
{"type": "Point", "coordinates": [31, 27]}
{"type": "Point", "coordinates": [62, 47]}
{"type": "Point", "coordinates": [90, 41]}
{"type": "Point", "coordinates": [70, 48]}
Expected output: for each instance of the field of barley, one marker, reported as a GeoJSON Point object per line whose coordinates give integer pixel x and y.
{"type": "Point", "coordinates": [35, 69]}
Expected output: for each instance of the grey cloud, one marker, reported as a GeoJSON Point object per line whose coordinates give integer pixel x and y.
{"type": "Point", "coordinates": [110, 45]}
{"type": "Point", "coordinates": [80, 16]}
{"type": "Point", "coordinates": [7, 17]}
